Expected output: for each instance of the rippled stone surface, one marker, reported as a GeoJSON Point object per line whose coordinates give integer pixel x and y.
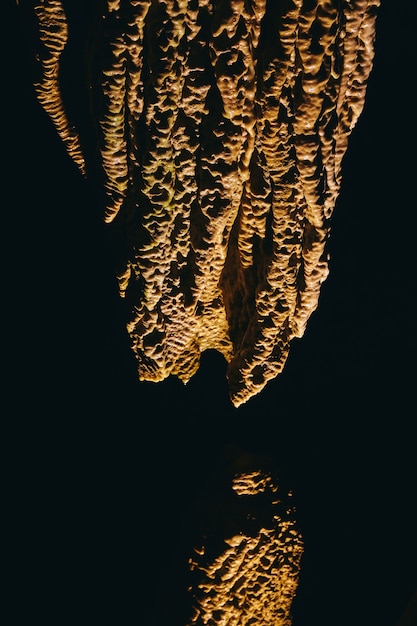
{"type": "Point", "coordinates": [253, 580]}
{"type": "Point", "coordinates": [219, 133]}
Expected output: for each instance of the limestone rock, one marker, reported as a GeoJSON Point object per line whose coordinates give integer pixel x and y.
{"type": "Point", "coordinates": [252, 577]}
{"type": "Point", "coordinates": [221, 126]}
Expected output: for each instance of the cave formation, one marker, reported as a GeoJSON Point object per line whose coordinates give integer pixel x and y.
{"type": "Point", "coordinates": [216, 130]}
{"type": "Point", "coordinates": [251, 575]}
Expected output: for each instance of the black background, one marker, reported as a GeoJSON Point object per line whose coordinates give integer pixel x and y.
{"type": "Point", "coordinates": [103, 469]}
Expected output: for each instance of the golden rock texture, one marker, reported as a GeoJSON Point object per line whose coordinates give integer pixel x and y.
{"type": "Point", "coordinates": [221, 127]}
{"type": "Point", "coordinates": [253, 580]}
{"type": "Point", "coordinates": [53, 34]}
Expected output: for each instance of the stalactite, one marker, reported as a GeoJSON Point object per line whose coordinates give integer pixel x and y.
{"type": "Point", "coordinates": [221, 126]}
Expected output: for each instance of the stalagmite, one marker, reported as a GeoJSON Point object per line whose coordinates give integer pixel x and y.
{"type": "Point", "coordinates": [221, 127]}
{"type": "Point", "coordinates": [253, 580]}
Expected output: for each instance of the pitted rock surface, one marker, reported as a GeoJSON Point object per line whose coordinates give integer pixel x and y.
{"type": "Point", "coordinates": [253, 576]}
{"type": "Point", "coordinates": [220, 131]}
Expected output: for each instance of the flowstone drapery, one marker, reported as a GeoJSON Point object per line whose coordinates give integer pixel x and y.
{"type": "Point", "coordinates": [219, 133]}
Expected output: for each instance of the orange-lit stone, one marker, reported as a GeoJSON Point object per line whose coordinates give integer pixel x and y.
{"type": "Point", "coordinates": [254, 579]}
{"type": "Point", "coordinates": [221, 131]}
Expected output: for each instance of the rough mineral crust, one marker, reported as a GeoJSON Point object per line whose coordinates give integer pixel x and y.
{"type": "Point", "coordinates": [253, 577]}
{"type": "Point", "coordinates": [221, 126]}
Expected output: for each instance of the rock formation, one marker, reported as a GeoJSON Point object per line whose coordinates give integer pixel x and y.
{"type": "Point", "coordinates": [219, 132]}
{"type": "Point", "coordinates": [246, 571]}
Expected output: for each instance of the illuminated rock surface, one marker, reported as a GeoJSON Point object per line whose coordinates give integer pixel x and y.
{"type": "Point", "coordinates": [252, 577]}
{"type": "Point", "coordinates": [220, 129]}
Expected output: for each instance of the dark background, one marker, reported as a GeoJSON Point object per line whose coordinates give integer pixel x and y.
{"type": "Point", "coordinates": [104, 470]}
